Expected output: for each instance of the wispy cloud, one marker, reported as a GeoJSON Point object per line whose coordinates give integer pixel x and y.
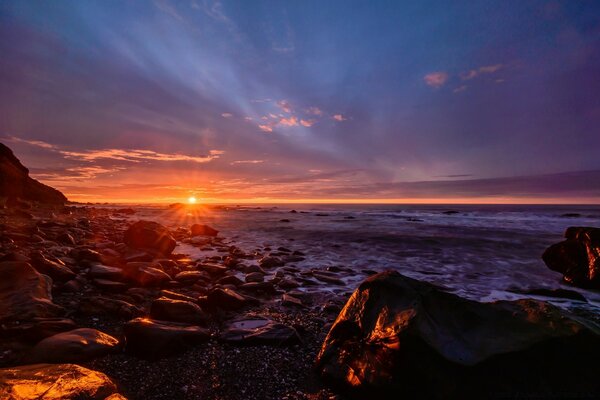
{"type": "Point", "coordinates": [436, 79]}
{"type": "Point", "coordinates": [307, 122]}
{"type": "Point", "coordinates": [226, 115]}
{"type": "Point", "coordinates": [461, 88]}
{"type": "Point", "coordinates": [486, 69]}
{"type": "Point", "coordinates": [285, 106]}
{"type": "Point", "coordinates": [247, 162]}
{"type": "Point", "coordinates": [339, 117]}
{"type": "Point", "coordinates": [291, 121]}
{"type": "Point", "coordinates": [314, 111]}
{"type": "Point", "coordinates": [265, 128]}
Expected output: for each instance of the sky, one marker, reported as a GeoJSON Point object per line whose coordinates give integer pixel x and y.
{"type": "Point", "coordinates": [275, 101]}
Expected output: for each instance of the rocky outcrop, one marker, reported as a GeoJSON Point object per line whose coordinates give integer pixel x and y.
{"type": "Point", "coordinates": [25, 294]}
{"type": "Point", "coordinates": [398, 335]}
{"type": "Point", "coordinates": [150, 235]}
{"type": "Point", "coordinates": [53, 382]}
{"type": "Point", "coordinates": [577, 257]}
{"type": "Point", "coordinates": [15, 181]}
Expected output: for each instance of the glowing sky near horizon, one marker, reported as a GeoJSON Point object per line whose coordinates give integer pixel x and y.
{"type": "Point", "coordinates": [220, 100]}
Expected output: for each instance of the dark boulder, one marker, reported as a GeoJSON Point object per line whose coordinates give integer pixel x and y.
{"type": "Point", "coordinates": [15, 181]}
{"type": "Point", "coordinates": [150, 235]}
{"type": "Point", "coordinates": [225, 299]}
{"type": "Point", "coordinates": [398, 335]}
{"type": "Point", "coordinates": [259, 331]}
{"type": "Point", "coordinates": [577, 257]}
{"type": "Point", "coordinates": [25, 294]}
{"type": "Point", "coordinates": [73, 346]}
{"type": "Point", "coordinates": [203, 230]}
{"type": "Point", "coordinates": [54, 381]}
{"type": "Point", "coordinates": [55, 269]}
{"type": "Point", "coordinates": [177, 311]}
{"type": "Point", "coordinates": [151, 339]}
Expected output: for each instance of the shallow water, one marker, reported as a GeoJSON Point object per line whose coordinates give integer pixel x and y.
{"type": "Point", "coordinates": [482, 252]}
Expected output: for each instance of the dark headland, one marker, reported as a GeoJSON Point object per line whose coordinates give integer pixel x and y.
{"type": "Point", "coordinates": [95, 304]}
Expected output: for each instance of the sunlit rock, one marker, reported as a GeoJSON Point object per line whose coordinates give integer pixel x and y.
{"type": "Point", "coordinates": [203, 230]}
{"type": "Point", "coordinates": [177, 311]}
{"type": "Point", "coordinates": [398, 335]}
{"type": "Point", "coordinates": [54, 382]}
{"type": "Point", "coordinates": [577, 257]}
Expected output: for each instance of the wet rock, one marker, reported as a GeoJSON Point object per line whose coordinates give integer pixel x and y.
{"type": "Point", "coordinates": [167, 309]}
{"type": "Point", "coordinates": [258, 287]}
{"type": "Point", "coordinates": [230, 280]}
{"type": "Point", "coordinates": [213, 270]}
{"type": "Point", "coordinates": [269, 262]}
{"type": "Point", "coordinates": [399, 335]}
{"type": "Point", "coordinates": [101, 306]}
{"type": "Point", "coordinates": [288, 283]}
{"type": "Point", "coordinates": [577, 257]}
{"type": "Point", "coordinates": [54, 382]}
{"type": "Point", "coordinates": [38, 329]}
{"type": "Point", "coordinates": [225, 299]}
{"type": "Point", "coordinates": [73, 346]}
{"type": "Point", "coordinates": [254, 277]}
{"type": "Point", "coordinates": [176, 296]}
{"type": "Point", "coordinates": [203, 230]}
{"type": "Point", "coordinates": [55, 269]}
{"type": "Point", "coordinates": [150, 235]}
{"type": "Point", "coordinates": [66, 238]}
{"type": "Point", "coordinates": [25, 294]}
{"type": "Point", "coordinates": [259, 332]}
{"type": "Point", "coordinates": [189, 276]}
{"type": "Point", "coordinates": [145, 274]}
{"type": "Point", "coordinates": [105, 272]}
{"type": "Point", "coordinates": [155, 339]}
{"type": "Point", "coordinates": [328, 279]}
{"type": "Point", "coordinates": [558, 293]}
{"type": "Point", "coordinates": [290, 301]}
{"type": "Point", "coordinates": [110, 286]}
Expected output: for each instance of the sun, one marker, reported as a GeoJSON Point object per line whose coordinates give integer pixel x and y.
{"type": "Point", "coordinates": [192, 200]}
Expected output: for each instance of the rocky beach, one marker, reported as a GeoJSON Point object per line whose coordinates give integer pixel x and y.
{"type": "Point", "coordinates": [222, 302]}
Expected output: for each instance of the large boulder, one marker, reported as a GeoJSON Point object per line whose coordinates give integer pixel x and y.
{"type": "Point", "coordinates": [73, 346]}
{"type": "Point", "coordinates": [152, 339]}
{"type": "Point", "coordinates": [150, 235]}
{"type": "Point", "coordinates": [398, 335]}
{"type": "Point", "coordinates": [177, 311]}
{"type": "Point", "coordinates": [54, 382]}
{"type": "Point", "coordinates": [203, 230]}
{"type": "Point", "coordinates": [25, 294]}
{"type": "Point", "coordinates": [15, 181]}
{"type": "Point", "coordinates": [577, 257]}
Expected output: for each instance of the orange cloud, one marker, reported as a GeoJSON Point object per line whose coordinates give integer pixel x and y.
{"type": "Point", "coordinates": [486, 69]}
{"type": "Point", "coordinates": [314, 111]}
{"type": "Point", "coordinates": [137, 155]}
{"type": "Point", "coordinates": [285, 106]}
{"type": "Point", "coordinates": [248, 162]}
{"type": "Point", "coordinates": [291, 121]}
{"type": "Point", "coordinates": [307, 122]}
{"type": "Point", "coordinates": [265, 128]}
{"type": "Point", "coordinates": [339, 117]}
{"type": "Point", "coordinates": [436, 79]}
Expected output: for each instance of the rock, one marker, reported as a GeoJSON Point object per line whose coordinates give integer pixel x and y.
{"type": "Point", "coordinates": [328, 279]}
{"type": "Point", "coordinates": [259, 332]}
{"type": "Point", "coordinates": [150, 235]}
{"type": "Point", "coordinates": [288, 284]}
{"type": "Point", "coordinates": [213, 270]}
{"type": "Point", "coordinates": [39, 328]}
{"type": "Point", "coordinates": [176, 296]}
{"type": "Point", "coordinates": [66, 239]}
{"type": "Point", "coordinates": [557, 293]}
{"type": "Point", "coordinates": [25, 294]}
{"type": "Point", "coordinates": [269, 262]}
{"type": "Point", "coordinates": [145, 274]}
{"type": "Point", "coordinates": [73, 346]}
{"type": "Point", "coordinates": [110, 286]}
{"type": "Point", "coordinates": [156, 339]}
{"type": "Point", "coordinates": [56, 270]}
{"type": "Point", "coordinates": [258, 287]}
{"type": "Point", "coordinates": [225, 299]}
{"type": "Point", "coordinates": [291, 301]}
{"type": "Point", "coordinates": [105, 272]}
{"type": "Point", "coordinates": [189, 276]}
{"type": "Point", "coordinates": [177, 311]}
{"type": "Point", "coordinates": [203, 230]}
{"type": "Point", "coordinates": [230, 280]}
{"type": "Point", "coordinates": [54, 382]}
{"type": "Point", "coordinates": [254, 277]}
{"type": "Point", "coordinates": [577, 258]}
{"type": "Point", "coordinates": [15, 181]}
{"type": "Point", "coordinates": [398, 335]}
{"type": "Point", "coordinates": [101, 306]}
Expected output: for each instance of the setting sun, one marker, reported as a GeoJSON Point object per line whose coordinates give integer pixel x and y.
{"type": "Point", "coordinates": [192, 200]}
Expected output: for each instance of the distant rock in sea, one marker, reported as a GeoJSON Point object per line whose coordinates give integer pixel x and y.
{"type": "Point", "coordinates": [15, 181]}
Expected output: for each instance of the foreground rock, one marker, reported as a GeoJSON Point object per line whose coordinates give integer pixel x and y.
{"type": "Point", "coordinates": [25, 294]}
{"type": "Point", "coordinates": [73, 346]}
{"type": "Point", "coordinates": [150, 235]}
{"type": "Point", "coordinates": [577, 258]}
{"type": "Point", "coordinates": [54, 382]}
{"type": "Point", "coordinates": [15, 181]}
{"type": "Point", "coordinates": [151, 339]}
{"type": "Point", "coordinates": [398, 335]}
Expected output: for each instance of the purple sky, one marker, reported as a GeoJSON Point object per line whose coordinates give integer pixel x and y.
{"type": "Point", "coordinates": [269, 100]}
